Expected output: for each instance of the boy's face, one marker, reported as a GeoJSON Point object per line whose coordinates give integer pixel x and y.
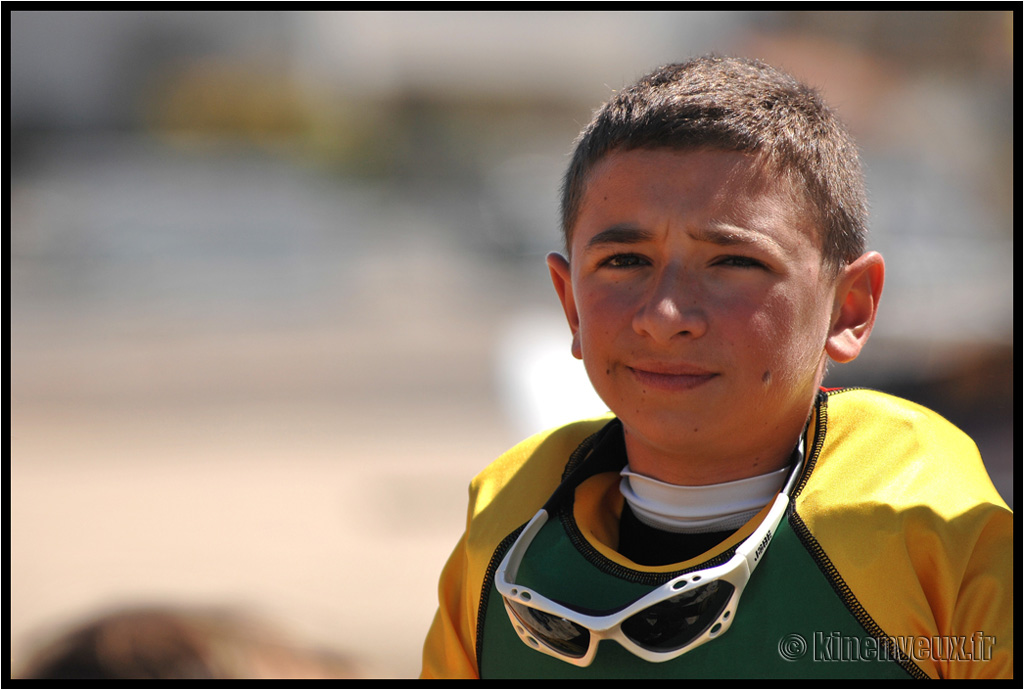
{"type": "Point", "coordinates": [700, 306]}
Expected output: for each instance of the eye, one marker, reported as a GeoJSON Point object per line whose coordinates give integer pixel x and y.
{"type": "Point", "coordinates": [623, 261]}
{"type": "Point", "coordinates": [740, 262]}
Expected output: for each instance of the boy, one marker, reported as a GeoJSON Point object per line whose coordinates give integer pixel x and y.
{"type": "Point", "coordinates": [732, 519]}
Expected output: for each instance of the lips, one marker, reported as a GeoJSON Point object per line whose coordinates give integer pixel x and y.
{"type": "Point", "coordinates": [671, 377]}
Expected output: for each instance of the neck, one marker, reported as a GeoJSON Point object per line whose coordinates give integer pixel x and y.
{"type": "Point", "coordinates": [706, 467]}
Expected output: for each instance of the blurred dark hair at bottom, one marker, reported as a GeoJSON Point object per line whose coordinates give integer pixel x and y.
{"type": "Point", "coordinates": [166, 642]}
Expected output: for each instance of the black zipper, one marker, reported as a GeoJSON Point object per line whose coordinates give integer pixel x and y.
{"type": "Point", "coordinates": [485, 590]}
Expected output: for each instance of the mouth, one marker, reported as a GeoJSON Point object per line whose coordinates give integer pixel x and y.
{"type": "Point", "coordinates": [672, 377]}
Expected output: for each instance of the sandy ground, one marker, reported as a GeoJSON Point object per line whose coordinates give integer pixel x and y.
{"type": "Point", "coordinates": [338, 539]}
{"type": "Point", "coordinates": [324, 518]}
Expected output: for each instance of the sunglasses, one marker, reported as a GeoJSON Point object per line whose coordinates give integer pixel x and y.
{"type": "Point", "coordinates": [678, 616]}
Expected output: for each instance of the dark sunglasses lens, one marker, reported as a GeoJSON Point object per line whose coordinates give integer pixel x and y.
{"type": "Point", "coordinates": [672, 624]}
{"type": "Point", "coordinates": [558, 633]}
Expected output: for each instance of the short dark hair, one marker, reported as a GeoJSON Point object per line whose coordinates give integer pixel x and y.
{"type": "Point", "coordinates": [735, 104]}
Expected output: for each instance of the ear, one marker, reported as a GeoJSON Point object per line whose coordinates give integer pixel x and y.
{"type": "Point", "coordinates": [858, 289]}
{"type": "Point", "coordinates": [561, 276]}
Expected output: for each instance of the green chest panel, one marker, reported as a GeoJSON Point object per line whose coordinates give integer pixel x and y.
{"type": "Point", "coordinates": [790, 622]}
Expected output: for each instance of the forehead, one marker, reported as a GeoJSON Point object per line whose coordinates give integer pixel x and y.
{"type": "Point", "coordinates": [644, 186]}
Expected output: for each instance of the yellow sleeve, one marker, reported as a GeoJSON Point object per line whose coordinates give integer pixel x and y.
{"type": "Point", "coordinates": [504, 496]}
{"type": "Point", "coordinates": [902, 505]}
{"type": "Point", "coordinates": [982, 624]}
{"type": "Point", "coordinates": [449, 651]}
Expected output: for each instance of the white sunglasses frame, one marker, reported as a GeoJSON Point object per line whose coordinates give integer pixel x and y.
{"type": "Point", "coordinates": [736, 571]}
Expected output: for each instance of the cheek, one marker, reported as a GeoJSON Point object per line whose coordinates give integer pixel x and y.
{"type": "Point", "coordinates": [603, 314]}
{"type": "Point", "coordinates": [790, 339]}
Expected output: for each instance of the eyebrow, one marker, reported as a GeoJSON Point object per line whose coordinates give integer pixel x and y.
{"type": "Point", "coordinates": [721, 234]}
{"type": "Point", "coordinates": [620, 234]}
{"type": "Point", "coordinates": [725, 235]}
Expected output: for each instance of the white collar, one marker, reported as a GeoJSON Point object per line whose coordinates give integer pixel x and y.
{"type": "Point", "coordinates": [707, 508]}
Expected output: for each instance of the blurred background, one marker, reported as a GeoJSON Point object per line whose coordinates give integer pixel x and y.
{"type": "Point", "coordinates": [277, 289]}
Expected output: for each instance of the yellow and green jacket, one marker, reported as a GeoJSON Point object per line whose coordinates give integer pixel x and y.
{"type": "Point", "coordinates": [895, 560]}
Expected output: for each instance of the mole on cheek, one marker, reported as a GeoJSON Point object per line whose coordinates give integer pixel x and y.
{"type": "Point", "coordinates": [766, 377]}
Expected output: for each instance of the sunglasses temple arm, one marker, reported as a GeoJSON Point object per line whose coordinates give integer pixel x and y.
{"type": "Point", "coordinates": [510, 564]}
{"type": "Point", "coordinates": [754, 546]}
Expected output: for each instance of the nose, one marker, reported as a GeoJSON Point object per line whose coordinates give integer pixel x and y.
{"type": "Point", "coordinates": [673, 306]}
